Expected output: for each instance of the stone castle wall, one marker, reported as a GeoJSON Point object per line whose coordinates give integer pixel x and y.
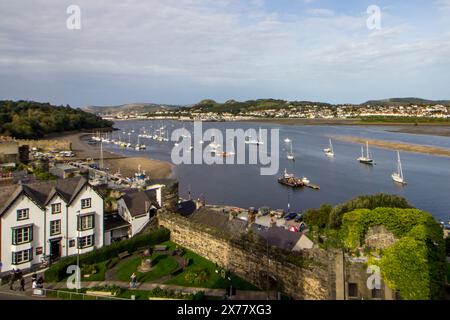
{"type": "Point", "coordinates": [309, 274]}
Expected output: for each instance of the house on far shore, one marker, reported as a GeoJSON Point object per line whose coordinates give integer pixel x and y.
{"type": "Point", "coordinates": [64, 171]}
{"type": "Point", "coordinates": [138, 207]}
{"type": "Point", "coordinates": [283, 238]}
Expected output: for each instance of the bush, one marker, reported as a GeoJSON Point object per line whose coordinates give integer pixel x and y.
{"type": "Point", "coordinates": [57, 271]}
{"type": "Point", "coordinates": [197, 277]}
{"type": "Point", "coordinates": [89, 269]}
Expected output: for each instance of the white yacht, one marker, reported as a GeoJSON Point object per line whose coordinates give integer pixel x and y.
{"type": "Point", "coordinates": [366, 159]}
{"type": "Point", "coordinates": [398, 176]}
{"type": "Point", "coordinates": [329, 152]}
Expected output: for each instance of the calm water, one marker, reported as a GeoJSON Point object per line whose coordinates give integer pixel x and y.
{"type": "Point", "coordinates": [340, 178]}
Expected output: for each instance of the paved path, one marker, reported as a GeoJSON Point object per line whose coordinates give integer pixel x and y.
{"type": "Point", "coordinates": [240, 294]}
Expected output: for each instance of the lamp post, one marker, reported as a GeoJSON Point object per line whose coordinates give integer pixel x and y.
{"type": "Point", "coordinates": [77, 243]}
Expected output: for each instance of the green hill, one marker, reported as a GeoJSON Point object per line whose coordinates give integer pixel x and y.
{"type": "Point", "coordinates": [406, 101]}
{"type": "Point", "coordinates": [29, 119]}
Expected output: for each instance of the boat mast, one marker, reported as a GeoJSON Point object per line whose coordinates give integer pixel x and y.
{"type": "Point", "coordinates": [367, 146]}
{"type": "Point", "coordinates": [399, 164]}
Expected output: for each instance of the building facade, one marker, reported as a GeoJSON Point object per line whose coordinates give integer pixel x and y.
{"type": "Point", "coordinates": [50, 219]}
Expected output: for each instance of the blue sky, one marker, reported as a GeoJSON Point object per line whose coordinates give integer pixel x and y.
{"type": "Point", "coordinates": [182, 51]}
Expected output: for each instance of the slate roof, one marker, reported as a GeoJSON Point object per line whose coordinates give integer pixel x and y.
{"type": "Point", "coordinates": [186, 208]}
{"type": "Point", "coordinates": [42, 192]}
{"type": "Point", "coordinates": [135, 201]}
{"type": "Point", "coordinates": [277, 236]}
{"type": "Point", "coordinates": [218, 219]}
{"type": "Point", "coordinates": [115, 221]}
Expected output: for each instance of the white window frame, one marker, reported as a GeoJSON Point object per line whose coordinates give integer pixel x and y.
{"type": "Point", "coordinates": [86, 222]}
{"type": "Point", "coordinates": [88, 242]}
{"type": "Point", "coordinates": [23, 214]}
{"type": "Point", "coordinates": [84, 205]}
{"type": "Point", "coordinates": [25, 235]}
{"type": "Point", "coordinates": [52, 225]}
{"type": "Point", "coordinates": [58, 206]}
{"type": "Point", "coordinates": [22, 254]}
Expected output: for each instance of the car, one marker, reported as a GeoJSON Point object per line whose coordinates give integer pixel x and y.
{"type": "Point", "coordinates": [290, 216]}
{"type": "Point", "coordinates": [301, 227]}
{"type": "Point", "coordinates": [299, 217]}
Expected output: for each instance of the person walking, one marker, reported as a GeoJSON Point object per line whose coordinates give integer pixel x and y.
{"type": "Point", "coordinates": [12, 279]}
{"type": "Point", "coordinates": [22, 284]}
{"type": "Point", "coordinates": [133, 280]}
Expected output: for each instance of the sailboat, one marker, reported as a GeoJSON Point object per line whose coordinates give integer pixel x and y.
{"type": "Point", "coordinates": [329, 152]}
{"type": "Point", "coordinates": [139, 146]}
{"type": "Point", "coordinates": [257, 141]}
{"type": "Point", "coordinates": [365, 158]}
{"type": "Point", "coordinates": [290, 155]}
{"type": "Point", "coordinates": [398, 176]}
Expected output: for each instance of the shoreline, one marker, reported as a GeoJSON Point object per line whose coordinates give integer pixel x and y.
{"type": "Point", "coordinates": [397, 145]}
{"type": "Point", "coordinates": [128, 166]}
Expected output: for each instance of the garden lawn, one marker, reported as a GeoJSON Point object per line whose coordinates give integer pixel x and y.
{"type": "Point", "coordinates": [163, 266]}
{"type": "Point", "coordinates": [99, 275]}
{"type": "Point", "coordinates": [210, 278]}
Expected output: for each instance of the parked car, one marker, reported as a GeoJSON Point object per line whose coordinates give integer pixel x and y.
{"type": "Point", "coordinates": [290, 216]}
{"type": "Point", "coordinates": [301, 227]}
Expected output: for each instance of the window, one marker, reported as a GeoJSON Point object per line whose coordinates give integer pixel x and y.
{"type": "Point", "coordinates": [85, 203]}
{"type": "Point", "coordinates": [22, 235]}
{"type": "Point", "coordinates": [376, 293]}
{"type": "Point", "coordinates": [71, 243]}
{"type": "Point", "coordinates": [23, 214]}
{"type": "Point", "coordinates": [55, 227]}
{"type": "Point", "coordinates": [22, 256]}
{"type": "Point", "coordinates": [85, 242]}
{"type": "Point", "coordinates": [352, 290]}
{"type": "Point", "coordinates": [56, 208]}
{"type": "Point", "coordinates": [86, 222]}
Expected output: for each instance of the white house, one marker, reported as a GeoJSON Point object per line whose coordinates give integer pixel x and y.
{"type": "Point", "coordinates": [137, 207]}
{"type": "Point", "coordinates": [52, 218]}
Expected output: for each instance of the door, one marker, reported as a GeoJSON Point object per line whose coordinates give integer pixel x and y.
{"type": "Point", "coordinates": [55, 249]}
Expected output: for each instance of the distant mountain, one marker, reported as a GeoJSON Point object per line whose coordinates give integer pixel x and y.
{"type": "Point", "coordinates": [129, 108]}
{"type": "Point", "coordinates": [406, 101]}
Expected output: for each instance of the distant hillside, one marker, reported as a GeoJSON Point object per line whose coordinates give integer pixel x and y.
{"type": "Point", "coordinates": [233, 106]}
{"type": "Point", "coordinates": [29, 119]}
{"type": "Point", "coordinates": [406, 101]}
{"type": "Point", "coordinates": [129, 108]}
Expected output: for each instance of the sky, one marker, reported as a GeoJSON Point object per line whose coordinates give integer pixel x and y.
{"type": "Point", "coordinates": [183, 51]}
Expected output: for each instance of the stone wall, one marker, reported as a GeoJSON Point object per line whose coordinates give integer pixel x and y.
{"type": "Point", "coordinates": [308, 274]}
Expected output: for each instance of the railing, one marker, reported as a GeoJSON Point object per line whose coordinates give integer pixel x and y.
{"type": "Point", "coordinates": [71, 295]}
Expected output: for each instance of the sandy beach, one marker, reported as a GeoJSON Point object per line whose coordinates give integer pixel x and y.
{"type": "Point", "coordinates": [397, 145]}
{"type": "Point", "coordinates": [127, 165]}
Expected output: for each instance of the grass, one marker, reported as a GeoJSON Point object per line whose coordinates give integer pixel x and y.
{"type": "Point", "coordinates": [99, 275]}
{"type": "Point", "coordinates": [163, 265]}
{"type": "Point", "coordinates": [213, 279]}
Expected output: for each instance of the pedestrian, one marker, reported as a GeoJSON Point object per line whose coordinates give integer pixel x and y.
{"type": "Point", "coordinates": [34, 284]}
{"type": "Point", "coordinates": [12, 279]}
{"type": "Point", "coordinates": [40, 282]}
{"type": "Point", "coordinates": [33, 277]}
{"type": "Point", "coordinates": [133, 280]}
{"type": "Point", "coordinates": [22, 284]}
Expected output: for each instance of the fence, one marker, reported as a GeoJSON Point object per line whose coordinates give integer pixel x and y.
{"type": "Point", "coordinates": [71, 295]}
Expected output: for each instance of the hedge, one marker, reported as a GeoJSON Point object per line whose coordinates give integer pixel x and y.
{"type": "Point", "coordinates": [58, 271]}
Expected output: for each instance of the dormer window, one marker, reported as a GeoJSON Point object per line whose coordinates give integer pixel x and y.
{"type": "Point", "coordinates": [56, 208]}
{"type": "Point", "coordinates": [23, 214]}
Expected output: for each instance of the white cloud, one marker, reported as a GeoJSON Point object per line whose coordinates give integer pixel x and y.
{"type": "Point", "coordinates": [320, 12]}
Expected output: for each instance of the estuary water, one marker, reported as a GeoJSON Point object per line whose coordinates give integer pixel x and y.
{"type": "Point", "coordinates": [340, 179]}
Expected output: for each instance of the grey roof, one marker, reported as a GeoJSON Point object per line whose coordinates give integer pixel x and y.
{"type": "Point", "coordinates": [186, 208]}
{"type": "Point", "coordinates": [42, 192]}
{"type": "Point", "coordinates": [136, 201]}
{"type": "Point", "coordinates": [115, 221]}
{"type": "Point", "coordinates": [218, 219]}
{"type": "Point", "coordinates": [277, 236]}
